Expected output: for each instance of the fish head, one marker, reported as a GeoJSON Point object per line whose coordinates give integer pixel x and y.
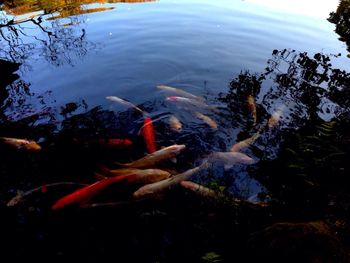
{"type": "Point", "coordinates": [172, 98]}
{"type": "Point", "coordinates": [245, 158]}
{"type": "Point", "coordinates": [142, 192]}
{"type": "Point", "coordinates": [32, 146]}
{"type": "Point", "coordinates": [176, 149]}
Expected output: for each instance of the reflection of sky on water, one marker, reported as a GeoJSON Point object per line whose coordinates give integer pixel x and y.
{"type": "Point", "coordinates": [200, 44]}
{"type": "Point", "coordinates": [313, 8]}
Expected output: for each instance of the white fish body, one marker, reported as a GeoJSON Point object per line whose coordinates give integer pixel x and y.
{"type": "Point", "coordinates": [151, 160]}
{"type": "Point", "coordinates": [231, 158]}
{"type": "Point", "coordinates": [180, 92]}
{"type": "Point", "coordinates": [159, 187]}
{"type": "Point", "coordinates": [187, 101]}
{"type": "Point", "coordinates": [124, 102]}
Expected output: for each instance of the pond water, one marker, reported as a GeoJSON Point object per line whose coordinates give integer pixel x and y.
{"type": "Point", "coordinates": [59, 61]}
{"type": "Point", "coordinates": [132, 47]}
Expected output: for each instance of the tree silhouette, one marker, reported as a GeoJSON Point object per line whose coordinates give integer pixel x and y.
{"type": "Point", "coordinates": [341, 18]}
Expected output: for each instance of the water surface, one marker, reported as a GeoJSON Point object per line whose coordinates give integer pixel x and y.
{"type": "Point", "coordinates": [59, 61]}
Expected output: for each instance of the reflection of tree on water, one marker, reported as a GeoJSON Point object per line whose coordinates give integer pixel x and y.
{"type": "Point", "coordinates": [65, 8]}
{"type": "Point", "coordinates": [58, 41]}
{"type": "Point", "coordinates": [311, 145]}
{"type": "Point", "coordinates": [58, 45]}
{"type": "Point", "coordinates": [341, 18]}
{"type": "Point", "coordinates": [309, 86]}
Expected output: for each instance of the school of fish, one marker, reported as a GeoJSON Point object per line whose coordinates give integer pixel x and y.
{"type": "Point", "coordinates": [149, 175]}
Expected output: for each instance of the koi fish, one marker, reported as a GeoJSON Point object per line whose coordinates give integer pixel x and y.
{"type": "Point", "coordinates": [180, 92]}
{"type": "Point", "coordinates": [198, 189]}
{"type": "Point", "coordinates": [115, 143]}
{"type": "Point", "coordinates": [231, 158]}
{"type": "Point", "coordinates": [206, 119]}
{"type": "Point", "coordinates": [161, 186]}
{"type": "Point", "coordinates": [21, 144]}
{"type": "Point", "coordinates": [252, 107]}
{"type": "Point", "coordinates": [140, 172]}
{"type": "Point", "coordinates": [242, 145]}
{"type": "Point", "coordinates": [275, 117]}
{"type": "Point", "coordinates": [85, 194]}
{"type": "Point", "coordinates": [124, 102]}
{"type": "Point", "coordinates": [187, 101]}
{"type": "Point", "coordinates": [151, 160]}
{"type": "Point", "coordinates": [20, 196]}
{"type": "Point", "coordinates": [175, 123]}
{"type": "Point", "coordinates": [147, 131]}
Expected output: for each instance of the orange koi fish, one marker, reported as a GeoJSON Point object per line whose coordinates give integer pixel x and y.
{"type": "Point", "coordinates": [198, 189]}
{"type": "Point", "coordinates": [252, 107]}
{"type": "Point", "coordinates": [117, 172]}
{"type": "Point", "coordinates": [242, 145]}
{"type": "Point", "coordinates": [153, 159]}
{"type": "Point", "coordinates": [175, 123]}
{"type": "Point", "coordinates": [148, 134]}
{"type": "Point", "coordinates": [21, 144]}
{"type": "Point", "coordinates": [206, 120]}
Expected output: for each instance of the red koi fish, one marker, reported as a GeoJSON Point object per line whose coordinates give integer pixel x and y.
{"type": "Point", "coordinates": [115, 143]}
{"type": "Point", "coordinates": [85, 194]}
{"type": "Point", "coordinates": [148, 134]}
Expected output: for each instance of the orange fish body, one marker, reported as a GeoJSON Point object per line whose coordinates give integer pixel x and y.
{"type": "Point", "coordinates": [148, 134]}
{"type": "Point", "coordinates": [21, 144]}
{"type": "Point", "coordinates": [252, 107]}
